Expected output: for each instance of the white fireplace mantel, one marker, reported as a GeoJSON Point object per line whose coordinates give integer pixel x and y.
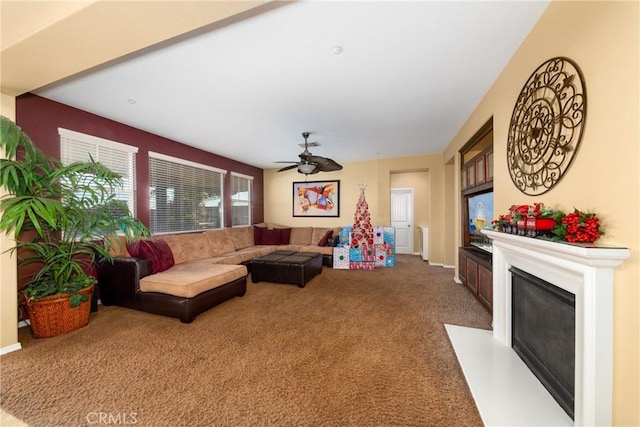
{"type": "Point", "coordinates": [586, 272]}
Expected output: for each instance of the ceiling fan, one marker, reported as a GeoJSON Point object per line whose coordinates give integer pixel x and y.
{"type": "Point", "coordinates": [310, 164]}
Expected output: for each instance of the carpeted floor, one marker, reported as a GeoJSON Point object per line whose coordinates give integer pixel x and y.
{"type": "Point", "coordinates": [361, 348]}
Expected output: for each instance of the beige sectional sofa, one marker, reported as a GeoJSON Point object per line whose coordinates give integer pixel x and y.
{"type": "Point", "coordinates": [236, 245]}
{"type": "Point", "coordinates": [207, 269]}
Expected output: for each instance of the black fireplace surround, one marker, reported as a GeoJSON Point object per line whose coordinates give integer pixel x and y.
{"type": "Point", "coordinates": [543, 333]}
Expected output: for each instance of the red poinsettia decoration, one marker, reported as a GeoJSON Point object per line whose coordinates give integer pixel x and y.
{"type": "Point", "coordinates": [579, 226]}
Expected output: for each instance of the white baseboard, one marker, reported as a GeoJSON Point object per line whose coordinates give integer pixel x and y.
{"type": "Point", "coordinates": [10, 348]}
{"type": "Point", "coordinates": [23, 323]}
{"type": "Point", "coordinates": [436, 264]}
{"type": "Point", "coordinates": [449, 266]}
{"type": "Point", "coordinates": [458, 281]}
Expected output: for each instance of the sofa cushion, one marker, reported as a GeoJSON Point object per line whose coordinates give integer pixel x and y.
{"type": "Point", "coordinates": [325, 250]}
{"type": "Point", "coordinates": [269, 237]}
{"type": "Point", "coordinates": [325, 238]}
{"type": "Point", "coordinates": [133, 248]}
{"type": "Point", "coordinates": [242, 237]}
{"type": "Point", "coordinates": [195, 246]}
{"type": "Point", "coordinates": [247, 254]}
{"type": "Point", "coordinates": [158, 253]}
{"type": "Point", "coordinates": [221, 259]}
{"type": "Point", "coordinates": [219, 242]}
{"type": "Point", "coordinates": [118, 246]}
{"type": "Point", "coordinates": [173, 240]}
{"type": "Point", "coordinates": [257, 234]}
{"type": "Point", "coordinates": [289, 247]}
{"type": "Point", "coordinates": [301, 236]}
{"type": "Point", "coordinates": [285, 236]}
{"type": "Point", "coordinates": [190, 279]}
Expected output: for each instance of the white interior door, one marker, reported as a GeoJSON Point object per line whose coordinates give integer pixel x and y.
{"type": "Point", "coordinates": [402, 218]}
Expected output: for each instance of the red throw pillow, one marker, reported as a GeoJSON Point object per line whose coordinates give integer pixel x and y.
{"type": "Point", "coordinates": [133, 248]}
{"type": "Point", "coordinates": [325, 238]}
{"type": "Point", "coordinates": [257, 234]}
{"type": "Point", "coordinates": [158, 253]}
{"type": "Point", "coordinates": [285, 235]}
{"type": "Point", "coordinates": [270, 237]}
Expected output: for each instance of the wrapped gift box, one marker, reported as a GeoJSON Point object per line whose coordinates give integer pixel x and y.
{"type": "Point", "coordinates": [341, 258]}
{"type": "Point", "coordinates": [390, 260]}
{"type": "Point", "coordinates": [381, 255]}
{"type": "Point", "coordinates": [344, 238]}
{"type": "Point", "coordinates": [389, 235]}
{"type": "Point", "coordinates": [355, 255]}
{"type": "Point", "coordinates": [365, 265]}
{"type": "Point", "coordinates": [378, 235]}
{"type": "Point", "coordinates": [368, 253]}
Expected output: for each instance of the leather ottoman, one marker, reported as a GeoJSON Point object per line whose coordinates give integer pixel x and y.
{"type": "Point", "coordinates": [295, 268]}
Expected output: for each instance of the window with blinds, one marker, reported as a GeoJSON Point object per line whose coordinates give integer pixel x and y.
{"type": "Point", "coordinates": [118, 157]}
{"type": "Point", "coordinates": [183, 195]}
{"type": "Point", "coordinates": [241, 199]}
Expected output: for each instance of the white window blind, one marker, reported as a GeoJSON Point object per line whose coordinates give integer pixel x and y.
{"type": "Point", "coordinates": [241, 199]}
{"type": "Point", "coordinates": [118, 157]}
{"type": "Point", "coordinates": [184, 196]}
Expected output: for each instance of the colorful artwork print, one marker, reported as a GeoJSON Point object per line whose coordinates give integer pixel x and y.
{"type": "Point", "coordinates": [316, 198]}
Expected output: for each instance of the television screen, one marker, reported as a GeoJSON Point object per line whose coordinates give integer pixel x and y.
{"type": "Point", "coordinates": [480, 216]}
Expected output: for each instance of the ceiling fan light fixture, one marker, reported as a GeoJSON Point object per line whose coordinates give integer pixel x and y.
{"type": "Point", "coordinates": [306, 168]}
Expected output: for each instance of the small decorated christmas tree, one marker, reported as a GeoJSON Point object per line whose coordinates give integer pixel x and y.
{"type": "Point", "coordinates": [362, 231]}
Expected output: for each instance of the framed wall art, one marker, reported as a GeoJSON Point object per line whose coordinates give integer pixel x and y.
{"type": "Point", "coordinates": [316, 198]}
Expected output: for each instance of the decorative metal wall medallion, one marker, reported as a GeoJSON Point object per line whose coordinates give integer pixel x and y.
{"type": "Point", "coordinates": [546, 126]}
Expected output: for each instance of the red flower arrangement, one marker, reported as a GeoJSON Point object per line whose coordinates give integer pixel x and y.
{"type": "Point", "coordinates": [579, 226]}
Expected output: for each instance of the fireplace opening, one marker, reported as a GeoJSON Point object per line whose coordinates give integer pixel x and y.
{"type": "Point", "coordinates": [543, 334]}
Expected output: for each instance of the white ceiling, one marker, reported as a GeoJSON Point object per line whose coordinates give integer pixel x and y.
{"type": "Point", "coordinates": [409, 75]}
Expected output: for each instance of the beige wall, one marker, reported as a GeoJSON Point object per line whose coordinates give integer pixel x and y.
{"type": "Point", "coordinates": [8, 270]}
{"type": "Point", "coordinates": [603, 38]}
{"type": "Point", "coordinates": [449, 221]}
{"type": "Point", "coordinates": [377, 174]}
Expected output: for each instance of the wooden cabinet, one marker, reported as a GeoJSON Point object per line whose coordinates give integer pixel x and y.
{"type": "Point", "coordinates": [476, 274]}
{"type": "Point", "coordinates": [478, 170]}
{"type": "Point", "coordinates": [472, 275]}
{"type": "Point", "coordinates": [462, 262]}
{"type": "Point", "coordinates": [485, 286]}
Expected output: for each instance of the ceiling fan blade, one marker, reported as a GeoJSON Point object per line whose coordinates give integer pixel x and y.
{"type": "Point", "coordinates": [324, 163]}
{"type": "Point", "coordinates": [286, 168]}
{"type": "Point", "coordinates": [284, 161]}
{"type": "Point", "coordinates": [318, 159]}
{"type": "Point", "coordinates": [330, 166]}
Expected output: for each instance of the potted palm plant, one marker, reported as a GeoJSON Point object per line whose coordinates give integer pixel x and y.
{"type": "Point", "coordinates": [64, 219]}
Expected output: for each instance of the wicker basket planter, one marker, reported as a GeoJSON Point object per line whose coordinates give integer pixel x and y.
{"type": "Point", "coordinates": [52, 316]}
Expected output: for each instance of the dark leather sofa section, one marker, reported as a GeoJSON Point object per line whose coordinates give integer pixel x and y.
{"type": "Point", "coordinates": [119, 284]}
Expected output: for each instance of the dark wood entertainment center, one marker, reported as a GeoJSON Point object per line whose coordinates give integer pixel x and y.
{"type": "Point", "coordinates": [476, 274]}
{"type": "Point", "coordinates": [476, 178]}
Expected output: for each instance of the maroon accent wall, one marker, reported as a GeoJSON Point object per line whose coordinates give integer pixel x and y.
{"type": "Point", "coordinates": [40, 118]}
